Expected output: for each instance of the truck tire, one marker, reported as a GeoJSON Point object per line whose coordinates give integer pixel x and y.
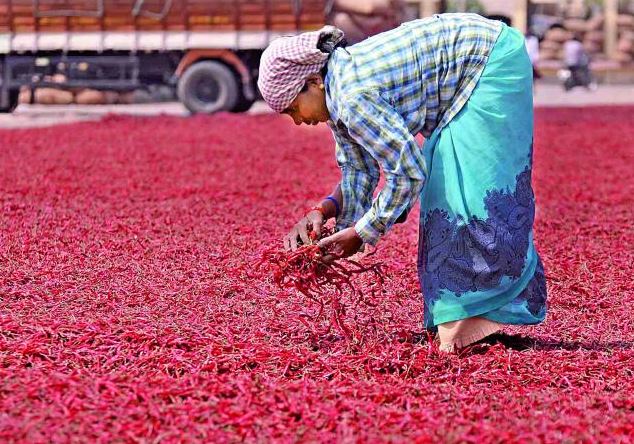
{"type": "Point", "coordinates": [13, 101]}
{"type": "Point", "coordinates": [243, 104]}
{"type": "Point", "coordinates": [208, 87]}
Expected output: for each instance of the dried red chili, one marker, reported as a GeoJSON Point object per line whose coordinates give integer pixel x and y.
{"type": "Point", "coordinates": [130, 309]}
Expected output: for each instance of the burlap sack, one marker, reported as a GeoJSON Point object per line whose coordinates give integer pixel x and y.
{"type": "Point", "coordinates": [595, 23]}
{"type": "Point", "coordinates": [623, 57]}
{"type": "Point", "coordinates": [549, 44]}
{"type": "Point", "coordinates": [576, 25]}
{"type": "Point", "coordinates": [360, 20]}
{"type": "Point", "coordinates": [592, 47]}
{"type": "Point", "coordinates": [625, 21]}
{"type": "Point", "coordinates": [52, 96]}
{"type": "Point", "coordinates": [625, 45]}
{"type": "Point", "coordinates": [90, 97]}
{"type": "Point", "coordinates": [594, 36]}
{"type": "Point", "coordinates": [557, 35]}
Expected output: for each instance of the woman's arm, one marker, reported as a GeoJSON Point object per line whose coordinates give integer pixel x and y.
{"type": "Point", "coordinates": [374, 124]}
{"type": "Point", "coordinates": [328, 206]}
{"type": "Point", "coordinates": [313, 220]}
{"type": "Point", "coordinates": [359, 177]}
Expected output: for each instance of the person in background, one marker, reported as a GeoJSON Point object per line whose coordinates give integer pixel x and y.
{"type": "Point", "coordinates": [362, 19]}
{"type": "Point", "coordinates": [577, 61]}
{"type": "Point", "coordinates": [532, 47]}
{"type": "Point", "coordinates": [464, 83]}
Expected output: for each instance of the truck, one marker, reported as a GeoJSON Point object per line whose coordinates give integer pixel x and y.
{"type": "Point", "coordinates": [207, 50]}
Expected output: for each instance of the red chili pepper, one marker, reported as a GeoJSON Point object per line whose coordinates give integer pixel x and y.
{"type": "Point", "coordinates": [131, 309]}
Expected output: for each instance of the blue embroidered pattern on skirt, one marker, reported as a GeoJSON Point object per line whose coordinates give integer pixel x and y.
{"type": "Point", "coordinates": [535, 292]}
{"type": "Point", "coordinates": [473, 256]}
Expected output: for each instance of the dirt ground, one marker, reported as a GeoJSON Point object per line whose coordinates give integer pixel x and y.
{"type": "Point", "coordinates": [27, 116]}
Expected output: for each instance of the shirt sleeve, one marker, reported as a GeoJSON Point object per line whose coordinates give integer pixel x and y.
{"type": "Point", "coordinates": [359, 178]}
{"type": "Point", "coordinates": [376, 126]}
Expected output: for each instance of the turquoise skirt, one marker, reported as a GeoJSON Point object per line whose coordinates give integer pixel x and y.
{"type": "Point", "coordinates": [476, 252]}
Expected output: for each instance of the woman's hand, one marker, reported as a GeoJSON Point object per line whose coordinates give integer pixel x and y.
{"type": "Point", "coordinates": [342, 244]}
{"type": "Point", "coordinates": [313, 221]}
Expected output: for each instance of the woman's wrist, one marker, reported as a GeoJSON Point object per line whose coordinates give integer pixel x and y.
{"type": "Point", "coordinates": [336, 204]}
{"type": "Point", "coordinates": [330, 207]}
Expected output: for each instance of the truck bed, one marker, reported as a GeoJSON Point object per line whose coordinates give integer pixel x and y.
{"type": "Point", "coordinates": [35, 25]}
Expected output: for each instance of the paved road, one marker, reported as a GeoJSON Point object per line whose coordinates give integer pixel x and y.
{"type": "Point", "coordinates": [44, 115]}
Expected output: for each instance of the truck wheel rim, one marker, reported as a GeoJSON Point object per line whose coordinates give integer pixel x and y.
{"type": "Point", "coordinates": [207, 90]}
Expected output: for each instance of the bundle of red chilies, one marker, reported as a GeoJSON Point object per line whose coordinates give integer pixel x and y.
{"type": "Point", "coordinates": [324, 283]}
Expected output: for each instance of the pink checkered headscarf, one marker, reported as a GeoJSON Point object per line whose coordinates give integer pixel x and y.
{"type": "Point", "coordinates": [289, 60]}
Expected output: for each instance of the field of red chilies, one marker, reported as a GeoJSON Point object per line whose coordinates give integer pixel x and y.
{"type": "Point", "coordinates": [131, 309]}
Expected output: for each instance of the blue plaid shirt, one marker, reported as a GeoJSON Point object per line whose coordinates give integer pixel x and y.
{"type": "Point", "coordinates": [382, 92]}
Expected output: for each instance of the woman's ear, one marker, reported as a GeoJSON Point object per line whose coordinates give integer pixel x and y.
{"type": "Point", "coordinates": [315, 79]}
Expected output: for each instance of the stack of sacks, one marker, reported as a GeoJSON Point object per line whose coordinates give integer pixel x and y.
{"type": "Point", "coordinates": [625, 45]}
{"type": "Point", "coordinates": [551, 46]}
{"type": "Point", "coordinates": [360, 20]}
{"type": "Point", "coordinates": [80, 96]}
{"type": "Point", "coordinates": [593, 37]}
{"type": "Point", "coordinates": [48, 96]}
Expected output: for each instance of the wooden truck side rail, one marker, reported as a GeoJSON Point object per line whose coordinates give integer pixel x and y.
{"type": "Point", "coordinates": [31, 25]}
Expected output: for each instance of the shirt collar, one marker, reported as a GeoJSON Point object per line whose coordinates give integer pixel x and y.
{"type": "Point", "coordinates": [331, 90]}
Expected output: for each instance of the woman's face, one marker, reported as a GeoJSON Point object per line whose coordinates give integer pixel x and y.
{"type": "Point", "coordinates": [309, 106]}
